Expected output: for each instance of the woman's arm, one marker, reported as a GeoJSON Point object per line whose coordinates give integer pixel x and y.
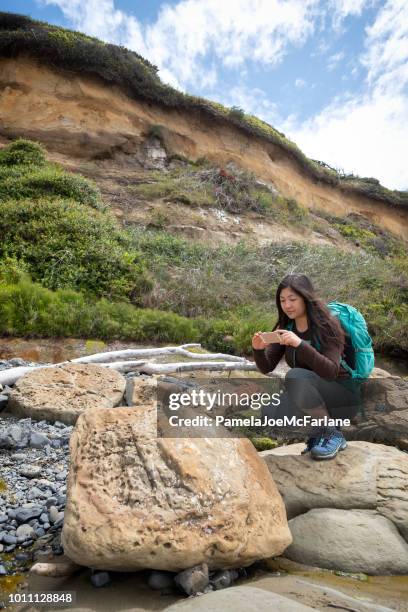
{"type": "Point", "coordinates": [325, 363]}
{"type": "Point", "coordinates": [268, 358]}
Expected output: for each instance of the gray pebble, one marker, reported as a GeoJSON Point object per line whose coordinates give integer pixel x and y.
{"type": "Point", "coordinates": [24, 515]}
{"type": "Point", "coordinates": [159, 580]}
{"type": "Point", "coordinates": [194, 579]}
{"type": "Point", "coordinates": [25, 531]}
{"type": "Point", "coordinates": [9, 539]}
{"type": "Point", "coordinates": [38, 440]}
{"type": "Point", "coordinates": [223, 579]}
{"type": "Point", "coordinates": [100, 579]}
{"type": "Point", "coordinates": [30, 471]}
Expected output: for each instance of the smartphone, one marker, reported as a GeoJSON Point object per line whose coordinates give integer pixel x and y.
{"type": "Point", "coordinates": [270, 337]}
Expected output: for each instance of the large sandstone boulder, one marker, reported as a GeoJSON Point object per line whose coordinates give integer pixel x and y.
{"type": "Point", "coordinates": [239, 599]}
{"type": "Point", "coordinates": [138, 501]}
{"type": "Point", "coordinates": [62, 393]}
{"type": "Point", "coordinates": [348, 540]}
{"type": "Point", "coordinates": [365, 475]}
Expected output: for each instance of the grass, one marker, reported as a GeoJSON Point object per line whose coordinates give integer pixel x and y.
{"type": "Point", "coordinates": [76, 52]}
{"type": "Point", "coordinates": [217, 309]}
{"type": "Point", "coordinates": [235, 191]}
{"type": "Point", "coordinates": [234, 286]}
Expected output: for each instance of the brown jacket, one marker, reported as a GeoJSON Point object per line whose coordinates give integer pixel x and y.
{"type": "Point", "coordinates": [325, 363]}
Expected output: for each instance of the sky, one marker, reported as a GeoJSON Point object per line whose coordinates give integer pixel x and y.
{"type": "Point", "coordinates": [331, 74]}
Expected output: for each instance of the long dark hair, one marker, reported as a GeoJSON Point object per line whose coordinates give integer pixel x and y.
{"type": "Point", "coordinates": [324, 327]}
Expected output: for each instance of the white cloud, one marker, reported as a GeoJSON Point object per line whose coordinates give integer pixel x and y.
{"type": "Point", "coordinates": [186, 33]}
{"type": "Point", "coordinates": [340, 9]}
{"type": "Point", "coordinates": [367, 134]}
{"type": "Point", "coordinates": [334, 60]}
{"type": "Point", "coordinates": [386, 56]}
{"type": "Point", "coordinates": [300, 83]}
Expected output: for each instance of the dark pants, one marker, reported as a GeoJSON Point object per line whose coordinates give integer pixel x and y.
{"type": "Point", "coordinates": [305, 391]}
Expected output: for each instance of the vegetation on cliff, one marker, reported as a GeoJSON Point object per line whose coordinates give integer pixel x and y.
{"type": "Point", "coordinates": [68, 269]}
{"type": "Point", "coordinates": [51, 223]}
{"type": "Point", "coordinates": [74, 51]}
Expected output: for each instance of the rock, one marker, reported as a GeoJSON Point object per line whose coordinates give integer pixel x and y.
{"type": "Point", "coordinates": [30, 471]}
{"type": "Point", "coordinates": [55, 570]}
{"type": "Point", "coordinates": [193, 580]}
{"type": "Point", "coordinates": [18, 456]}
{"type": "Point", "coordinates": [9, 539]}
{"type": "Point", "coordinates": [66, 391]}
{"type": "Point", "coordinates": [223, 579]}
{"type": "Point", "coordinates": [3, 571]}
{"type": "Point", "coordinates": [38, 440]}
{"type": "Point", "coordinates": [100, 579]}
{"type": "Point", "coordinates": [239, 599]}
{"type": "Point", "coordinates": [17, 361]}
{"type": "Point", "coordinates": [385, 416]}
{"type": "Point", "coordinates": [348, 540]}
{"type": "Point", "coordinates": [365, 475]}
{"type": "Point", "coordinates": [14, 437]}
{"type": "Point", "coordinates": [3, 401]}
{"type": "Point", "coordinates": [23, 515]}
{"type": "Point", "coordinates": [137, 501]}
{"type": "Point", "coordinates": [25, 531]}
{"type": "Point", "coordinates": [154, 154]}
{"type": "Point", "coordinates": [159, 581]}
{"type": "Point", "coordinates": [55, 516]}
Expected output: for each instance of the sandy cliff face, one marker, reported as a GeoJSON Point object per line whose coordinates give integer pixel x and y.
{"type": "Point", "coordinates": [84, 117]}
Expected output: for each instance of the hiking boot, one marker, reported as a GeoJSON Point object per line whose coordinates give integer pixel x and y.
{"type": "Point", "coordinates": [311, 443]}
{"type": "Point", "coordinates": [329, 445]}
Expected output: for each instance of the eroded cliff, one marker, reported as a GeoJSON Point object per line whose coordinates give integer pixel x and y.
{"type": "Point", "coordinates": [86, 117]}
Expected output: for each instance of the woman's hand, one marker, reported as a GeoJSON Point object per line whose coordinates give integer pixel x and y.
{"type": "Point", "coordinates": [289, 338]}
{"type": "Point", "coordinates": [257, 342]}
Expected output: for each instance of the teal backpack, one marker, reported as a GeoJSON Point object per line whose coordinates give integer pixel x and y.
{"type": "Point", "coordinates": [354, 325]}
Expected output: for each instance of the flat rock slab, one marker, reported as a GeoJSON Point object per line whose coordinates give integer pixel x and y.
{"type": "Point", "coordinates": [363, 476]}
{"type": "Point", "coordinates": [135, 500]}
{"type": "Point", "coordinates": [348, 540]}
{"type": "Point", "coordinates": [239, 599]}
{"type": "Point", "coordinates": [63, 393]}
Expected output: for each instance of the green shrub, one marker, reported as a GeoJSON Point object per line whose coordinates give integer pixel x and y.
{"type": "Point", "coordinates": [27, 309]}
{"type": "Point", "coordinates": [262, 444]}
{"type": "Point", "coordinates": [65, 244]}
{"type": "Point", "coordinates": [22, 152]}
{"type": "Point", "coordinates": [13, 270]}
{"type": "Point", "coordinates": [236, 112]}
{"type": "Point", "coordinates": [48, 181]}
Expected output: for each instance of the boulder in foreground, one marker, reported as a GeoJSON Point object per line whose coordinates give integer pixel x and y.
{"type": "Point", "coordinates": [136, 501]}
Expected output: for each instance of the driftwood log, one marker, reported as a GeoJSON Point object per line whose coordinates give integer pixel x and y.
{"type": "Point", "coordinates": [114, 360]}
